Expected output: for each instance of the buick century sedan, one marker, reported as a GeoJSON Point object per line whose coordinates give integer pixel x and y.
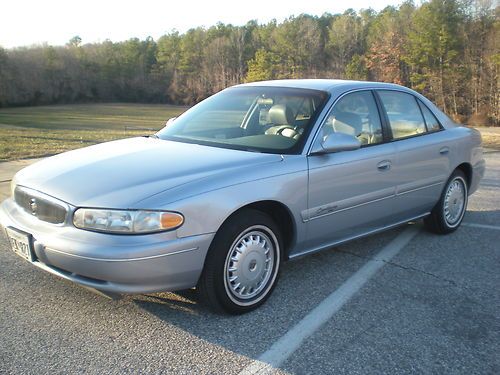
{"type": "Point", "coordinates": [255, 175]}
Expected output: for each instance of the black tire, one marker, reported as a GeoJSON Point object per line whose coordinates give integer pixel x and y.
{"type": "Point", "coordinates": [215, 288]}
{"type": "Point", "coordinates": [440, 220]}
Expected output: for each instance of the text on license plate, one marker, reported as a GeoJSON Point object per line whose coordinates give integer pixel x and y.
{"type": "Point", "coordinates": [21, 243]}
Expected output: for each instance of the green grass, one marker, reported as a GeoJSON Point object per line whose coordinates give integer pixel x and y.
{"type": "Point", "coordinates": [46, 130]}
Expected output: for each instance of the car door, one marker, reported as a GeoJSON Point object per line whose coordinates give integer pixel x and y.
{"type": "Point", "coordinates": [423, 153]}
{"type": "Point", "coordinates": [350, 192]}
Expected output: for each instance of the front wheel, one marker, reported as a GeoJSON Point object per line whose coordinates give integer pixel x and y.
{"type": "Point", "coordinates": [448, 213]}
{"type": "Point", "coordinates": [242, 264]}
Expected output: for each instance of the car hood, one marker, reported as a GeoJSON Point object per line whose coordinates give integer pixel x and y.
{"type": "Point", "coordinates": [120, 173]}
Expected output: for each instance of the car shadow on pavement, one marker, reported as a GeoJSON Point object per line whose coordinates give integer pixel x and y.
{"type": "Point", "coordinates": [303, 284]}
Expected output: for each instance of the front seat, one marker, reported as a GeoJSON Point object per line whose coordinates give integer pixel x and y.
{"type": "Point", "coordinates": [347, 123]}
{"type": "Point", "coordinates": [282, 119]}
{"type": "Point", "coordinates": [350, 123]}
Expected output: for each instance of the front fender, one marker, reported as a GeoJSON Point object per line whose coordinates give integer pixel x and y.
{"type": "Point", "coordinates": [205, 212]}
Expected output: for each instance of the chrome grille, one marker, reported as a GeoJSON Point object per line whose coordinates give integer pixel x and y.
{"type": "Point", "coordinates": [44, 208]}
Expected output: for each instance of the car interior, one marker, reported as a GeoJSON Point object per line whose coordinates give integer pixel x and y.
{"type": "Point", "coordinates": [355, 114]}
{"type": "Point", "coordinates": [269, 122]}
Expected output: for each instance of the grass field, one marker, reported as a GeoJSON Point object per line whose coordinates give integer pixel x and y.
{"type": "Point", "coordinates": [491, 137]}
{"type": "Point", "coordinates": [39, 131]}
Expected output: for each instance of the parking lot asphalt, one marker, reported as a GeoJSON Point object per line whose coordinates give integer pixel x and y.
{"type": "Point", "coordinates": [7, 170]}
{"type": "Point", "coordinates": [433, 308]}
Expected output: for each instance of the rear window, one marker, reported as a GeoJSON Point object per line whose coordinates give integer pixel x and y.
{"type": "Point", "coordinates": [405, 117]}
{"type": "Point", "coordinates": [430, 120]}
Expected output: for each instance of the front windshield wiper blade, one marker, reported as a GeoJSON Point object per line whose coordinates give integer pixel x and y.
{"type": "Point", "coordinates": [151, 136]}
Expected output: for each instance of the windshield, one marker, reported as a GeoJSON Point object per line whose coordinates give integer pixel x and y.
{"type": "Point", "coordinates": [263, 119]}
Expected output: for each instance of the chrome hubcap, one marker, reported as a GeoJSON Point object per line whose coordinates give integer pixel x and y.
{"type": "Point", "coordinates": [250, 263]}
{"type": "Point", "coordinates": [454, 201]}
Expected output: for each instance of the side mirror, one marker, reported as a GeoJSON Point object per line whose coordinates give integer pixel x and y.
{"type": "Point", "coordinates": [170, 121]}
{"type": "Point", "coordinates": [336, 142]}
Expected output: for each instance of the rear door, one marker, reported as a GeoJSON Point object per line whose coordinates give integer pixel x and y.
{"type": "Point", "coordinates": [423, 153]}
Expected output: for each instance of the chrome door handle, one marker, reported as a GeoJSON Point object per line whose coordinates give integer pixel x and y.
{"type": "Point", "coordinates": [384, 165]}
{"type": "Point", "coordinates": [444, 150]}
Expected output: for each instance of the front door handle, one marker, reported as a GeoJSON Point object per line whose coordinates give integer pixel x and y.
{"type": "Point", "coordinates": [384, 165]}
{"type": "Point", "coordinates": [444, 150]}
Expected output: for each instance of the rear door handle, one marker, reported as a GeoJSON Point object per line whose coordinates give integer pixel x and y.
{"type": "Point", "coordinates": [384, 165]}
{"type": "Point", "coordinates": [444, 150]}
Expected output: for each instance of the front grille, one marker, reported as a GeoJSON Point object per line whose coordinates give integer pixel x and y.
{"type": "Point", "coordinates": [43, 208]}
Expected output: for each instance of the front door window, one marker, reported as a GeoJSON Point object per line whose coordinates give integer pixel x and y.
{"type": "Point", "coordinates": [355, 114]}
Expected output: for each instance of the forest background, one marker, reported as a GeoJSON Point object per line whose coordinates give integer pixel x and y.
{"type": "Point", "coordinates": [449, 50]}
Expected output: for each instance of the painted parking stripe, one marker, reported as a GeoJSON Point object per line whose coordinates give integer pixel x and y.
{"type": "Point", "coordinates": [482, 226]}
{"type": "Point", "coordinates": [278, 353]}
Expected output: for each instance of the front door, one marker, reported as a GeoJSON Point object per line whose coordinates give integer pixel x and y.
{"type": "Point", "coordinates": [351, 192]}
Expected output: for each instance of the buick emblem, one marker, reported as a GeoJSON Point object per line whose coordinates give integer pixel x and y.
{"type": "Point", "coordinates": [33, 206]}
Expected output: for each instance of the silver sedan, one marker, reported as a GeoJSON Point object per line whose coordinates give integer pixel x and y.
{"type": "Point", "coordinates": [252, 176]}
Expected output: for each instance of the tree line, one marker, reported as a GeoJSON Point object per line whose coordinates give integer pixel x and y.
{"type": "Point", "coordinates": [446, 49]}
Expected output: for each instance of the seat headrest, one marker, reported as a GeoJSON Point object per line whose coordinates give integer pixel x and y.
{"type": "Point", "coordinates": [347, 122]}
{"type": "Point", "coordinates": [280, 114]}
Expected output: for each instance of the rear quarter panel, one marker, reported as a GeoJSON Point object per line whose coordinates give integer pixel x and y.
{"type": "Point", "coordinates": [470, 150]}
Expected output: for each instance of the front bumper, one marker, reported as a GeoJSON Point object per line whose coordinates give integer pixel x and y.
{"type": "Point", "coordinates": [112, 263]}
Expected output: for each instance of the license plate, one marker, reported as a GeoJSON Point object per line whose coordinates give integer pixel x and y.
{"type": "Point", "coordinates": [21, 243]}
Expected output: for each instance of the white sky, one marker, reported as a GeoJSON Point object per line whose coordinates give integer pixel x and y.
{"type": "Point", "coordinates": [26, 22]}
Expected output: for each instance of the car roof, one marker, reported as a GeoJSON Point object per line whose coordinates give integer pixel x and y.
{"type": "Point", "coordinates": [330, 85]}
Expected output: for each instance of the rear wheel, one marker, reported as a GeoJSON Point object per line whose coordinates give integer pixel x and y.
{"type": "Point", "coordinates": [242, 264]}
{"type": "Point", "coordinates": [448, 213]}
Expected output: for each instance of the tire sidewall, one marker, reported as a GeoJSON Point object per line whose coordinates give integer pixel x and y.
{"type": "Point", "coordinates": [221, 247]}
{"type": "Point", "coordinates": [457, 175]}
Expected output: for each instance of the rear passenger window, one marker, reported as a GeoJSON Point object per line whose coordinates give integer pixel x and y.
{"type": "Point", "coordinates": [405, 118]}
{"type": "Point", "coordinates": [430, 120]}
{"type": "Point", "coordinates": [356, 114]}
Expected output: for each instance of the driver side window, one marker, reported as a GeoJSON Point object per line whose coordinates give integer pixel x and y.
{"type": "Point", "coordinates": [355, 114]}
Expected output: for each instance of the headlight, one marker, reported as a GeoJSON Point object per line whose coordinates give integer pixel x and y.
{"type": "Point", "coordinates": [126, 221]}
